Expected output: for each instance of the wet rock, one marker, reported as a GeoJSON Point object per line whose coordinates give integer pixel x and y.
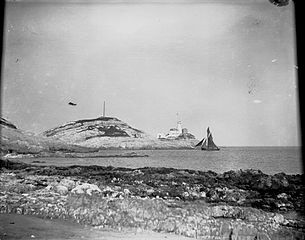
{"type": "Point", "coordinates": [284, 206]}
{"type": "Point", "coordinates": [279, 181]}
{"type": "Point", "coordinates": [283, 196]}
{"type": "Point", "coordinates": [212, 195]}
{"type": "Point", "coordinates": [264, 182]}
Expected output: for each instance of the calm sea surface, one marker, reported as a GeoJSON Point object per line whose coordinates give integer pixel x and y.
{"type": "Point", "coordinates": [270, 160]}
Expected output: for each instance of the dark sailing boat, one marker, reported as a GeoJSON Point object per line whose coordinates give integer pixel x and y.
{"type": "Point", "coordinates": [207, 143]}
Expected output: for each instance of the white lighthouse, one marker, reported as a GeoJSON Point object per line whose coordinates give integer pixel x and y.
{"type": "Point", "coordinates": [179, 127]}
{"type": "Point", "coordinates": [176, 133]}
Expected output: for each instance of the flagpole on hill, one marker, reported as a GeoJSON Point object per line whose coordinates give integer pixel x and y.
{"type": "Point", "coordinates": [104, 107]}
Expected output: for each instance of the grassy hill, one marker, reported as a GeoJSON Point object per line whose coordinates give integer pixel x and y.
{"type": "Point", "coordinates": [111, 132]}
{"type": "Point", "coordinates": [14, 140]}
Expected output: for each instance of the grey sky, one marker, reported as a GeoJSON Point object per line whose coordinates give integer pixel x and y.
{"type": "Point", "coordinates": [227, 66]}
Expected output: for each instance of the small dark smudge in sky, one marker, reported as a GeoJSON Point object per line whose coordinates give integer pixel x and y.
{"type": "Point", "coordinates": [257, 22]}
{"type": "Point", "coordinates": [280, 3]}
{"type": "Point", "coordinates": [251, 85]}
{"type": "Point", "coordinates": [72, 103]}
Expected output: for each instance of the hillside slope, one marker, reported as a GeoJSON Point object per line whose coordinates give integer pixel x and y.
{"type": "Point", "coordinates": [14, 140]}
{"type": "Point", "coordinates": [110, 132]}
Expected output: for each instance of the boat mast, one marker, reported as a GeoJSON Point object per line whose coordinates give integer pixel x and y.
{"type": "Point", "coordinates": [208, 134]}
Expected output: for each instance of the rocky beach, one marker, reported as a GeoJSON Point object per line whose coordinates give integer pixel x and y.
{"type": "Point", "coordinates": [245, 204]}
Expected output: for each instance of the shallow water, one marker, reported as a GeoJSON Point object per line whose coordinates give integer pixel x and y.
{"type": "Point", "coordinates": [270, 160]}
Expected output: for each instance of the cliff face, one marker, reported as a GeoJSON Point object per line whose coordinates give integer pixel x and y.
{"type": "Point", "coordinates": [87, 129]}
{"type": "Point", "coordinates": [16, 141]}
{"type": "Point", "coordinates": [5, 123]}
{"type": "Point", "coordinates": [108, 132]}
{"type": "Point", "coordinates": [13, 140]}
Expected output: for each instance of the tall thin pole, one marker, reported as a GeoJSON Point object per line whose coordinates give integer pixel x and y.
{"type": "Point", "coordinates": [104, 109]}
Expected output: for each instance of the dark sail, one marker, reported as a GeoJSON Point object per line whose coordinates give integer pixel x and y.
{"type": "Point", "coordinates": [204, 145]}
{"type": "Point", "coordinates": [208, 143]}
{"type": "Point", "coordinates": [199, 144]}
{"type": "Point", "coordinates": [211, 144]}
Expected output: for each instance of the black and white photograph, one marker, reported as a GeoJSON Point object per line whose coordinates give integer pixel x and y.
{"type": "Point", "coordinates": [152, 119]}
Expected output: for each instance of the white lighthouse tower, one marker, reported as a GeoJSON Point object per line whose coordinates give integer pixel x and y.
{"type": "Point", "coordinates": [179, 126]}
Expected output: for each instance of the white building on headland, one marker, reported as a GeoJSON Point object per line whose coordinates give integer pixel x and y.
{"type": "Point", "coordinates": [174, 133]}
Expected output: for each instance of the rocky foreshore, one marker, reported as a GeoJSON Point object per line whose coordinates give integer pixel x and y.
{"type": "Point", "coordinates": [245, 204]}
{"type": "Point", "coordinates": [97, 154]}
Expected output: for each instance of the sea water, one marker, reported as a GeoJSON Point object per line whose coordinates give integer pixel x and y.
{"type": "Point", "coordinates": [270, 160]}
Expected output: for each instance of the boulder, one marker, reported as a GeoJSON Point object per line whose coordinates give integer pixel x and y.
{"type": "Point", "coordinates": [68, 183]}
{"type": "Point", "coordinates": [86, 188]}
{"type": "Point", "coordinates": [61, 189]}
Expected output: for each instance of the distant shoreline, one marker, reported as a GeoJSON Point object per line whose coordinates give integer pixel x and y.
{"type": "Point", "coordinates": [99, 152]}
